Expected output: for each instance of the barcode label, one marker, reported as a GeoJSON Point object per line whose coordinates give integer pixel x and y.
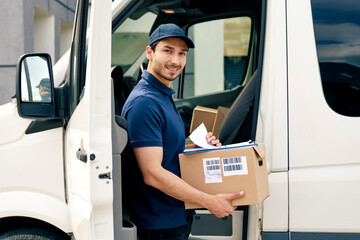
{"type": "Point", "coordinates": [232, 160]}
{"type": "Point", "coordinates": [212, 170]}
{"type": "Point", "coordinates": [212, 161]}
{"type": "Point", "coordinates": [235, 166]}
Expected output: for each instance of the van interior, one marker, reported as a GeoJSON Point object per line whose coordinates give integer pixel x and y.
{"type": "Point", "coordinates": [227, 39]}
{"type": "Point", "coordinates": [220, 71]}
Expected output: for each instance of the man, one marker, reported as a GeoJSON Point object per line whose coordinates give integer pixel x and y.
{"type": "Point", "coordinates": [45, 90]}
{"type": "Point", "coordinates": [157, 136]}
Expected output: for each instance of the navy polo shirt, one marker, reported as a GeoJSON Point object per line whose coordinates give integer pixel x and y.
{"type": "Point", "coordinates": [153, 120]}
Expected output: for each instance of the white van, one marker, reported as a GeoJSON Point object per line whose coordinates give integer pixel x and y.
{"type": "Point", "coordinates": [60, 174]}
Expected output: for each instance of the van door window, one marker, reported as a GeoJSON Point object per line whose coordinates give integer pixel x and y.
{"type": "Point", "coordinates": [129, 41]}
{"type": "Point", "coordinates": [220, 57]}
{"type": "Point", "coordinates": [337, 34]}
{"type": "Point", "coordinates": [128, 56]}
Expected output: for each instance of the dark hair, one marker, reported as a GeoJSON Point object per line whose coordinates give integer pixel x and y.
{"type": "Point", "coordinates": [153, 45]}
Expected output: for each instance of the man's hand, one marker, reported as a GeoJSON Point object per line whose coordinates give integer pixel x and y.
{"type": "Point", "coordinates": [210, 138]}
{"type": "Point", "coordinates": [220, 204]}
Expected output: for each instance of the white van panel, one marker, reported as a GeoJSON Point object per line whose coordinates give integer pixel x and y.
{"type": "Point", "coordinates": [325, 199]}
{"type": "Point", "coordinates": [13, 126]}
{"type": "Point", "coordinates": [38, 167]}
{"type": "Point", "coordinates": [272, 121]}
{"type": "Point", "coordinates": [276, 206]}
{"type": "Point", "coordinates": [60, 68]}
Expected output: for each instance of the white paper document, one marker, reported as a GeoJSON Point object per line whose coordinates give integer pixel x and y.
{"type": "Point", "coordinates": [198, 136]}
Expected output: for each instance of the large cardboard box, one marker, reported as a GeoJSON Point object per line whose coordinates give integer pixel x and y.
{"type": "Point", "coordinates": [228, 170]}
{"type": "Point", "coordinates": [212, 118]}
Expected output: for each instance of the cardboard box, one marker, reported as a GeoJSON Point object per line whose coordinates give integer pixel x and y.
{"type": "Point", "coordinates": [203, 115]}
{"type": "Point", "coordinates": [219, 118]}
{"type": "Point", "coordinates": [228, 170]}
{"type": "Point", "coordinates": [212, 118]}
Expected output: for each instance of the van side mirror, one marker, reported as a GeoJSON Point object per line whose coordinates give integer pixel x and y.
{"type": "Point", "coordinates": [35, 87]}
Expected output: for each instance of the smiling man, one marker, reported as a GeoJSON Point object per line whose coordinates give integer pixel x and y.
{"type": "Point", "coordinates": [156, 131]}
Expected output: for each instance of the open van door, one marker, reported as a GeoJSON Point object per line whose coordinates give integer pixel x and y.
{"type": "Point", "coordinates": [88, 150]}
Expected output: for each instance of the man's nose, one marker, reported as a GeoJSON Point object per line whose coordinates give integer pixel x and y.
{"type": "Point", "coordinates": [176, 60]}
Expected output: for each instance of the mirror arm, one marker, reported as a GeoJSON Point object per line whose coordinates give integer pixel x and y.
{"type": "Point", "coordinates": [61, 102]}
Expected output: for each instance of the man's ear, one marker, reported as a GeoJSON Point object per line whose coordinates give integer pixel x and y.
{"type": "Point", "coordinates": [149, 52]}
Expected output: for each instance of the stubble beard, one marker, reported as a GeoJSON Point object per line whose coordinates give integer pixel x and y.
{"type": "Point", "coordinates": [158, 70]}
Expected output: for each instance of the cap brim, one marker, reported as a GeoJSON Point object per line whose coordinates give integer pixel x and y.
{"type": "Point", "coordinates": [188, 41]}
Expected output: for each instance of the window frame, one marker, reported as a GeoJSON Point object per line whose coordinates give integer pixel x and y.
{"type": "Point", "coordinates": [251, 50]}
{"type": "Point", "coordinates": [78, 56]}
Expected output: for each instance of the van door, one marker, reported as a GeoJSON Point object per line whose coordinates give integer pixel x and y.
{"type": "Point", "coordinates": [88, 151]}
{"type": "Point", "coordinates": [324, 124]}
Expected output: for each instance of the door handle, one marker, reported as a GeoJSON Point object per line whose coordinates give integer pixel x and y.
{"type": "Point", "coordinates": [81, 155]}
{"type": "Point", "coordinates": [105, 175]}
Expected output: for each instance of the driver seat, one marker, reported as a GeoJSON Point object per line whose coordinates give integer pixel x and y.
{"type": "Point", "coordinates": [237, 123]}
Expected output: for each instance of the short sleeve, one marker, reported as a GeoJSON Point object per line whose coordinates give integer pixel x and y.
{"type": "Point", "coordinates": [144, 123]}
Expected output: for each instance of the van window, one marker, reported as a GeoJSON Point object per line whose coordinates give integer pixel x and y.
{"type": "Point", "coordinates": [220, 56]}
{"type": "Point", "coordinates": [130, 40]}
{"type": "Point", "coordinates": [337, 34]}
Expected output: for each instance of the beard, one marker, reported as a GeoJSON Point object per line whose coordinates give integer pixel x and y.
{"type": "Point", "coordinates": [160, 70]}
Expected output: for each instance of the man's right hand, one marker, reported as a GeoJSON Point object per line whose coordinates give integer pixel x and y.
{"type": "Point", "coordinates": [220, 204]}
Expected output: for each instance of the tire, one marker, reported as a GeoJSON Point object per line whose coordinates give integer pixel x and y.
{"type": "Point", "coordinates": [32, 234]}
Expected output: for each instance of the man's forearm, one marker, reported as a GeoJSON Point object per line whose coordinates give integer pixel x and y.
{"type": "Point", "coordinates": [175, 187]}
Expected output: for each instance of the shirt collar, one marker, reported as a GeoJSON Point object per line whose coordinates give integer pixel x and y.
{"type": "Point", "coordinates": [157, 84]}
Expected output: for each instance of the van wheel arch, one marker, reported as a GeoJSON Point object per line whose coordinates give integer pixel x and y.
{"type": "Point", "coordinates": [14, 228]}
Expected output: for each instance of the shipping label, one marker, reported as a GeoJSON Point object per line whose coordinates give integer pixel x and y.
{"type": "Point", "coordinates": [235, 166]}
{"type": "Point", "coordinates": [212, 170]}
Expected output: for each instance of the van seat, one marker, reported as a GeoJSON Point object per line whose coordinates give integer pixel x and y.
{"type": "Point", "coordinates": [237, 123]}
{"type": "Point", "coordinates": [123, 85]}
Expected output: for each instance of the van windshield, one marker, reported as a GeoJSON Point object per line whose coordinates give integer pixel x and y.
{"type": "Point", "coordinates": [130, 40]}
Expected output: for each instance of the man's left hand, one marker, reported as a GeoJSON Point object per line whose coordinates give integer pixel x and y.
{"type": "Point", "coordinates": [210, 138]}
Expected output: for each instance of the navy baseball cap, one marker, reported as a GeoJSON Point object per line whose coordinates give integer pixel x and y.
{"type": "Point", "coordinates": [168, 31]}
{"type": "Point", "coordinates": [45, 83]}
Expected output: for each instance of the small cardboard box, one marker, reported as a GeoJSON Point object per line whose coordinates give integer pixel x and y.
{"type": "Point", "coordinates": [212, 118]}
{"type": "Point", "coordinates": [219, 118]}
{"type": "Point", "coordinates": [228, 170]}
